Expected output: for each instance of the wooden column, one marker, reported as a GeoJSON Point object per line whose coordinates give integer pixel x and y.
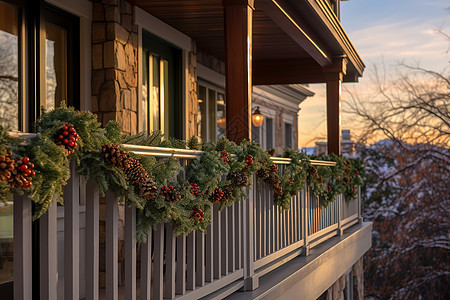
{"type": "Point", "coordinates": [334, 77]}
{"type": "Point", "coordinates": [238, 44]}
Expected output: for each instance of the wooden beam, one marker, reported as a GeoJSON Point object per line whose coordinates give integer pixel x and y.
{"type": "Point", "coordinates": [334, 81]}
{"type": "Point", "coordinates": [287, 18]}
{"type": "Point", "coordinates": [287, 72]}
{"type": "Point", "coordinates": [238, 15]}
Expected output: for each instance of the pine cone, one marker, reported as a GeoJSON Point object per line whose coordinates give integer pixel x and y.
{"type": "Point", "coordinates": [238, 178]}
{"type": "Point", "coordinates": [135, 172]}
{"type": "Point", "coordinates": [148, 189]}
{"type": "Point", "coordinates": [272, 180]}
{"type": "Point", "coordinates": [171, 194]}
{"type": "Point", "coordinates": [6, 166]}
{"type": "Point", "coordinates": [227, 193]}
{"type": "Point", "coordinates": [217, 196]}
{"type": "Point", "coordinates": [113, 155]}
{"type": "Point", "coordinates": [22, 173]}
{"type": "Point", "coordinates": [262, 173]}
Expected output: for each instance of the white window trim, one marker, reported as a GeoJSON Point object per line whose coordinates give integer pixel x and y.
{"type": "Point", "coordinates": [292, 133]}
{"type": "Point", "coordinates": [213, 76]}
{"type": "Point", "coordinates": [83, 10]}
{"type": "Point", "coordinates": [217, 89]}
{"type": "Point", "coordinates": [147, 22]}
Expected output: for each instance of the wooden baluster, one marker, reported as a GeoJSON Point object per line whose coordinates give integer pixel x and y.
{"type": "Point", "coordinates": [209, 271]}
{"type": "Point", "coordinates": [146, 267]}
{"type": "Point", "coordinates": [216, 242]}
{"type": "Point", "coordinates": [48, 254]}
{"type": "Point", "coordinates": [200, 258]}
{"type": "Point", "coordinates": [181, 265]}
{"type": "Point", "coordinates": [238, 235]}
{"type": "Point", "coordinates": [111, 247]}
{"type": "Point", "coordinates": [92, 240]}
{"type": "Point", "coordinates": [72, 235]}
{"type": "Point", "coordinates": [224, 242]}
{"type": "Point", "coordinates": [169, 288]}
{"type": "Point", "coordinates": [190, 285]}
{"type": "Point", "coordinates": [158, 267]}
{"type": "Point", "coordinates": [22, 248]}
{"type": "Point", "coordinates": [231, 237]}
{"type": "Point", "coordinates": [130, 253]}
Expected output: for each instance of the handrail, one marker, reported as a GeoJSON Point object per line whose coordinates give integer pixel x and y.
{"type": "Point", "coordinates": [192, 154]}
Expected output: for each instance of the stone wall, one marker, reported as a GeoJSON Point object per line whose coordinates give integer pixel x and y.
{"type": "Point", "coordinates": [358, 280]}
{"type": "Point", "coordinates": [192, 92]}
{"type": "Point", "coordinates": [114, 63]}
{"type": "Point", "coordinates": [337, 290]}
{"type": "Point", "coordinates": [279, 123]}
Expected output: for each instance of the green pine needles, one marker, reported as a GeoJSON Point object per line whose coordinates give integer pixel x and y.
{"type": "Point", "coordinates": [164, 190]}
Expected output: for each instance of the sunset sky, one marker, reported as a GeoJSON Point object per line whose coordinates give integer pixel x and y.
{"type": "Point", "coordinates": [383, 31]}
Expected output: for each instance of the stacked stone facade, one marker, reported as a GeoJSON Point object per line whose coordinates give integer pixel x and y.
{"type": "Point", "coordinates": [192, 92]}
{"type": "Point", "coordinates": [114, 63]}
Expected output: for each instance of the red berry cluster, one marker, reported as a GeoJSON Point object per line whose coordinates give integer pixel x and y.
{"type": "Point", "coordinates": [165, 189]}
{"type": "Point", "coordinates": [194, 188]}
{"type": "Point", "coordinates": [313, 172]}
{"type": "Point", "coordinates": [67, 137]}
{"type": "Point", "coordinates": [171, 194]}
{"type": "Point", "coordinates": [248, 161]}
{"type": "Point", "coordinates": [329, 189]}
{"type": "Point", "coordinates": [274, 168]}
{"type": "Point", "coordinates": [198, 214]}
{"type": "Point", "coordinates": [22, 173]}
{"type": "Point", "coordinates": [225, 156]}
{"type": "Point", "coordinates": [291, 180]}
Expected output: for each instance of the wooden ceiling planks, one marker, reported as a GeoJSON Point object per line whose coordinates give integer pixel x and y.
{"type": "Point", "coordinates": [203, 21]}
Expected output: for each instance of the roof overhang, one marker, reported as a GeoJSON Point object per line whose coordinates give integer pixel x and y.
{"type": "Point", "coordinates": [294, 41]}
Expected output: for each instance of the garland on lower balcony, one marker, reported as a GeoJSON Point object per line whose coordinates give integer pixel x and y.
{"type": "Point", "coordinates": [153, 185]}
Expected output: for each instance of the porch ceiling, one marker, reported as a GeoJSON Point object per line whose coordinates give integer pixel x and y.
{"type": "Point", "coordinates": [275, 38]}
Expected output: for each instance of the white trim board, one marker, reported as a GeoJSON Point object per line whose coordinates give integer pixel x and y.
{"type": "Point", "coordinates": [82, 9]}
{"type": "Point", "coordinates": [161, 29]}
{"type": "Point", "coordinates": [211, 76]}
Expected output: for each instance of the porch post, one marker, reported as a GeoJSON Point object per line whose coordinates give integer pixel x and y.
{"type": "Point", "coordinates": [334, 77]}
{"type": "Point", "coordinates": [238, 16]}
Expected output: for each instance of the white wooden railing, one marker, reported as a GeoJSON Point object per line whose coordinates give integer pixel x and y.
{"type": "Point", "coordinates": [243, 242]}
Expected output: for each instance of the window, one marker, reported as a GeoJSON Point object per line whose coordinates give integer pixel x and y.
{"type": "Point", "coordinates": [256, 134]}
{"type": "Point", "coordinates": [23, 86]}
{"type": "Point", "coordinates": [161, 87]}
{"type": "Point", "coordinates": [9, 67]}
{"type": "Point", "coordinates": [211, 118]}
{"type": "Point", "coordinates": [61, 59]}
{"type": "Point", "coordinates": [39, 66]}
{"type": "Point", "coordinates": [269, 133]}
{"type": "Point", "coordinates": [288, 135]}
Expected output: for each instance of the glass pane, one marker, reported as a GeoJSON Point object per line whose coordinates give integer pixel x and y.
{"type": "Point", "coordinates": [165, 98]}
{"type": "Point", "coordinates": [154, 94]}
{"type": "Point", "coordinates": [144, 95]}
{"type": "Point", "coordinates": [9, 66]}
{"type": "Point", "coordinates": [255, 134]}
{"type": "Point", "coordinates": [221, 115]}
{"type": "Point", "coordinates": [6, 241]}
{"type": "Point", "coordinates": [201, 113]}
{"type": "Point", "coordinates": [288, 135]}
{"type": "Point", "coordinates": [56, 65]}
{"type": "Point", "coordinates": [211, 115]}
{"type": "Point", "coordinates": [269, 133]}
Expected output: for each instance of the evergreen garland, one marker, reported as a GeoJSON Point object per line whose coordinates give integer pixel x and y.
{"type": "Point", "coordinates": [219, 175]}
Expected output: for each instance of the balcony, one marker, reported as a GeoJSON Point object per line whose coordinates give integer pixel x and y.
{"type": "Point", "coordinates": [252, 249]}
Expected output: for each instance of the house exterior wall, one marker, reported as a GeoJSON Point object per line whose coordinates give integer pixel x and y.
{"type": "Point", "coordinates": [115, 63]}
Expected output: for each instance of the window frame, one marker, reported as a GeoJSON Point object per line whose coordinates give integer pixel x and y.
{"type": "Point", "coordinates": [152, 45]}
{"type": "Point", "coordinates": [217, 89]}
